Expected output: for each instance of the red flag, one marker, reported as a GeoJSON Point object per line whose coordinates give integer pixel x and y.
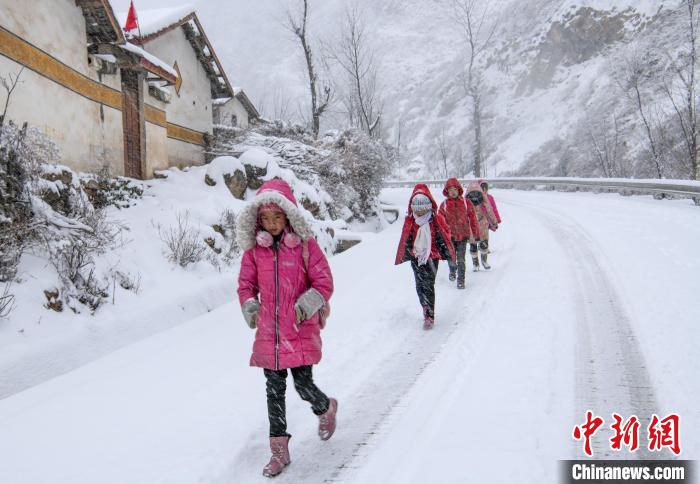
{"type": "Point", "coordinates": [132, 22]}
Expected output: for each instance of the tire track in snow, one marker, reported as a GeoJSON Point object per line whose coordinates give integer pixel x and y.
{"type": "Point", "coordinates": [611, 372]}
{"type": "Point", "coordinates": [369, 413]}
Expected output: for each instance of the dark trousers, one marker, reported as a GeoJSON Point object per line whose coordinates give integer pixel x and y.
{"type": "Point", "coordinates": [425, 284]}
{"type": "Point", "coordinates": [483, 247]}
{"type": "Point", "coordinates": [460, 267]}
{"type": "Point", "coordinates": [276, 388]}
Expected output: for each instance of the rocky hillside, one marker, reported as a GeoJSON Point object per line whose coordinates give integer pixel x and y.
{"type": "Point", "coordinates": [551, 77]}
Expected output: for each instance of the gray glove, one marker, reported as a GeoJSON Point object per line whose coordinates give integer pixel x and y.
{"type": "Point", "coordinates": [250, 310]}
{"type": "Point", "coordinates": [308, 304]}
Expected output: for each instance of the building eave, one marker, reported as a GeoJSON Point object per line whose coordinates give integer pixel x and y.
{"type": "Point", "coordinates": [220, 85]}
{"type": "Point", "coordinates": [101, 24]}
{"type": "Point", "coordinates": [247, 104]}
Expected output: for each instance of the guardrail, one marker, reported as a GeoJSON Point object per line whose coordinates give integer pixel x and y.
{"type": "Point", "coordinates": [623, 186]}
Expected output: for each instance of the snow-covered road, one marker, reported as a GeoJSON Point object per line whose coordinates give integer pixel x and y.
{"type": "Point", "coordinates": [592, 303]}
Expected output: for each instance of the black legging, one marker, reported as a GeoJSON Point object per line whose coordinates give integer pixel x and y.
{"type": "Point", "coordinates": [460, 267]}
{"type": "Point", "coordinates": [277, 387]}
{"type": "Point", "coordinates": [425, 284]}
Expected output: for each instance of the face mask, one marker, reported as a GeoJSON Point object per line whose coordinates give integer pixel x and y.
{"type": "Point", "coordinates": [475, 197]}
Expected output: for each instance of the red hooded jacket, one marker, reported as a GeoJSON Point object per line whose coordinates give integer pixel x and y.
{"type": "Point", "coordinates": [441, 247]}
{"type": "Point", "coordinates": [462, 222]}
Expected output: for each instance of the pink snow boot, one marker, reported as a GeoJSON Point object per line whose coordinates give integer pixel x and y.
{"type": "Point", "coordinates": [428, 320]}
{"type": "Point", "coordinates": [280, 456]}
{"type": "Point", "coordinates": [326, 421]}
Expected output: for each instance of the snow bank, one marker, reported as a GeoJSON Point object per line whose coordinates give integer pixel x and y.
{"type": "Point", "coordinates": [224, 165]}
{"type": "Point", "coordinates": [37, 344]}
{"type": "Point", "coordinates": [256, 157]}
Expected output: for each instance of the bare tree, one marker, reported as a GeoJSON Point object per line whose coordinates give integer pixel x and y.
{"type": "Point", "coordinates": [276, 104]}
{"type": "Point", "coordinates": [356, 56]}
{"type": "Point", "coordinates": [7, 301]}
{"type": "Point", "coordinates": [605, 143]}
{"type": "Point", "coordinates": [9, 84]}
{"type": "Point", "coordinates": [471, 17]}
{"type": "Point", "coordinates": [398, 139]}
{"type": "Point", "coordinates": [681, 90]}
{"type": "Point", "coordinates": [635, 74]}
{"type": "Point", "coordinates": [461, 165]}
{"type": "Point", "coordinates": [443, 152]}
{"type": "Point", "coordinates": [321, 93]}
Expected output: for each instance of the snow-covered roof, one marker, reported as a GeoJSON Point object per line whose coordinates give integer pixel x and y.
{"type": "Point", "coordinates": [107, 58]}
{"type": "Point", "coordinates": [135, 49]}
{"type": "Point", "coordinates": [239, 94]}
{"type": "Point", "coordinates": [156, 22]}
{"type": "Point", "coordinates": [247, 104]}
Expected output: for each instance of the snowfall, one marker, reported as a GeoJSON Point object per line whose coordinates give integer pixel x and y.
{"type": "Point", "coordinates": [592, 303]}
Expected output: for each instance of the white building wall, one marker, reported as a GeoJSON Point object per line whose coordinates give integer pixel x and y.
{"type": "Point", "coordinates": [181, 153]}
{"type": "Point", "coordinates": [88, 135]}
{"type": "Point", "coordinates": [55, 26]}
{"type": "Point", "coordinates": [224, 113]}
{"type": "Point", "coordinates": [156, 149]}
{"type": "Point", "coordinates": [87, 139]}
{"type": "Point", "coordinates": [190, 108]}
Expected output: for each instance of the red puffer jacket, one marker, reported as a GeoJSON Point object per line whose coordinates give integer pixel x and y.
{"type": "Point", "coordinates": [462, 222]}
{"type": "Point", "coordinates": [441, 247]}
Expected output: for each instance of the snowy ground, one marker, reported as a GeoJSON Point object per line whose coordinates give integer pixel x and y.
{"type": "Point", "coordinates": [591, 303]}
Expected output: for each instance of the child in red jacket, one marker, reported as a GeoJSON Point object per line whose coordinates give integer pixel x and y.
{"type": "Point", "coordinates": [463, 226]}
{"type": "Point", "coordinates": [425, 240]}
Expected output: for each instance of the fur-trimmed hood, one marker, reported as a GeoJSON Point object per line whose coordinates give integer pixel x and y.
{"type": "Point", "coordinates": [272, 191]}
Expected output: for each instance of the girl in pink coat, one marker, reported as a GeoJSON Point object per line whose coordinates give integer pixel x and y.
{"type": "Point", "coordinates": [284, 287]}
{"type": "Point", "coordinates": [492, 201]}
{"type": "Point", "coordinates": [478, 203]}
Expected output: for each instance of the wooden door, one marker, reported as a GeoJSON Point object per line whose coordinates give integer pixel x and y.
{"type": "Point", "coordinates": [133, 123]}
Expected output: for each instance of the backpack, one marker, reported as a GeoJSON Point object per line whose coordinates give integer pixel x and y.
{"type": "Point", "coordinates": [325, 311]}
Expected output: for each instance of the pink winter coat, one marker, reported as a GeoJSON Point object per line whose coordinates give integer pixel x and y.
{"type": "Point", "coordinates": [494, 208]}
{"type": "Point", "coordinates": [482, 210]}
{"type": "Point", "coordinates": [277, 277]}
{"type": "Point", "coordinates": [492, 201]}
